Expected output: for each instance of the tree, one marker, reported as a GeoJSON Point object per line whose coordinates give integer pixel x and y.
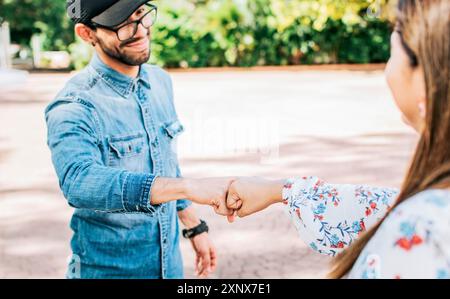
{"type": "Point", "coordinates": [46, 17]}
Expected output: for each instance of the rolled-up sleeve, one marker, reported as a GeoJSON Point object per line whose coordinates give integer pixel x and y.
{"type": "Point", "coordinates": [87, 183]}
{"type": "Point", "coordinates": [183, 204]}
{"type": "Point", "coordinates": [136, 193]}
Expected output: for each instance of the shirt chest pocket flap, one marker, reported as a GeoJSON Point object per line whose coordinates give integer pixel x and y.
{"type": "Point", "coordinates": [174, 129]}
{"type": "Point", "coordinates": [124, 147]}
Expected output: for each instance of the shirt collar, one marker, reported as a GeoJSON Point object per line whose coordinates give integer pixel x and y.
{"type": "Point", "coordinates": [120, 83]}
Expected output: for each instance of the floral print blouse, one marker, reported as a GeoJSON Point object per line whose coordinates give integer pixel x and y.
{"type": "Point", "coordinates": [413, 242]}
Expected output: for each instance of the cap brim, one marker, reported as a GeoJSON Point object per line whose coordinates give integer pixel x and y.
{"type": "Point", "coordinates": [118, 13]}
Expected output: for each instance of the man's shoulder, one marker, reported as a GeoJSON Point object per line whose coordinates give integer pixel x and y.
{"type": "Point", "coordinates": [83, 80]}
{"type": "Point", "coordinates": [76, 91]}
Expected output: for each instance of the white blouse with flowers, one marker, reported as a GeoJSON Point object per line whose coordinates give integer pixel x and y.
{"type": "Point", "coordinates": [413, 242]}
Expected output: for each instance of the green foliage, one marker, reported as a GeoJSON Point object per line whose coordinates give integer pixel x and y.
{"type": "Point", "coordinates": [80, 54]}
{"type": "Point", "coordinates": [201, 33]}
{"type": "Point", "coordinates": [45, 17]}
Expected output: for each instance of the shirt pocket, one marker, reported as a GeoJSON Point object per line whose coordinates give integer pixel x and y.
{"type": "Point", "coordinates": [173, 130]}
{"type": "Point", "coordinates": [127, 152]}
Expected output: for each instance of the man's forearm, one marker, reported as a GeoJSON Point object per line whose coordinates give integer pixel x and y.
{"type": "Point", "coordinates": [189, 218]}
{"type": "Point", "coordinates": [169, 189]}
{"type": "Point", "coordinates": [210, 191]}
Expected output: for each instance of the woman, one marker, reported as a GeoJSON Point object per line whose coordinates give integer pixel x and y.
{"type": "Point", "coordinates": [385, 233]}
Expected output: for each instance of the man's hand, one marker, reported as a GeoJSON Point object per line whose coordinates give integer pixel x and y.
{"type": "Point", "coordinates": [205, 253]}
{"type": "Point", "coordinates": [206, 257]}
{"type": "Point", "coordinates": [247, 196]}
{"type": "Point", "coordinates": [212, 192]}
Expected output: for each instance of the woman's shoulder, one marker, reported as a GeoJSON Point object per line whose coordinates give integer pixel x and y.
{"type": "Point", "coordinates": [430, 208]}
{"type": "Point", "coordinates": [413, 241]}
{"type": "Point", "coordinates": [433, 202]}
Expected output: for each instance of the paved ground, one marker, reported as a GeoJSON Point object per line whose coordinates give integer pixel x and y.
{"type": "Point", "coordinates": [339, 125]}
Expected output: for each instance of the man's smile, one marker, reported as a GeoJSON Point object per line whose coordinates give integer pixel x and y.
{"type": "Point", "coordinates": [139, 45]}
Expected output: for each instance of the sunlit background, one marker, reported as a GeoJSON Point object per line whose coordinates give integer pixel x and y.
{"type": "Point", "coordinates": [273, 88]}
{"type": "Point", "coordinates": [201, 33]}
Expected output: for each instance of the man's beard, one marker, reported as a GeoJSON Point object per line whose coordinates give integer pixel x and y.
{"type": "Point", "coordinates": [120, 55]}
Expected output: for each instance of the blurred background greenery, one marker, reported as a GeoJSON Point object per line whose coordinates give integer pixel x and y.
{"type": "Point", "coordinates": [204, 33]}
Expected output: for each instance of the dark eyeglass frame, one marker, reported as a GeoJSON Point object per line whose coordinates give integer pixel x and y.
{"type": "Point", "coordinates": [153, 8]}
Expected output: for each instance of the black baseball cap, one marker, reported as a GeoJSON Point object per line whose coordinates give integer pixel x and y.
{"type": "Point", "coordinates": [107, 13]}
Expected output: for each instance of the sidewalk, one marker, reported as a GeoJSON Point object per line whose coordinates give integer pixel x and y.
{"type": "Point", "coordinates": [341, 126]}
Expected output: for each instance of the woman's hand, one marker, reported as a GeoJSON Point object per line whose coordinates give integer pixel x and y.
{"type": "Point", "coordinates": [250, 195]}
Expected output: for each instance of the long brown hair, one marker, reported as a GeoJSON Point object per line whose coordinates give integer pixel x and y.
{"type": "Point", "coordinates": [424, 27]}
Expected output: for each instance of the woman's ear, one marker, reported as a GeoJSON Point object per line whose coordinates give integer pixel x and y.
{"type": "Point", "coordinates": [85, 33]}
{"type": "Point", "coordinates": [420, 91]}
{"type": "Point", "coordinates": [422, 109]}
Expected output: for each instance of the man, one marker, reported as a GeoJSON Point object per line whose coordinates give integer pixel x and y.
{"type": "Point", "coordinates": [111, 132]}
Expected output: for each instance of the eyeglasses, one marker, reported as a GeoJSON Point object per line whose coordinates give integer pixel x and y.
{"type": "Point", "coordinates": [128, 31]}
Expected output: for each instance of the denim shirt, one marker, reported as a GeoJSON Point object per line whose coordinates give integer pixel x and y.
{"type": "Point", "coordinates": [110, 136]}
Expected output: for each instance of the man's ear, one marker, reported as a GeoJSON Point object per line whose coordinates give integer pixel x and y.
{"type": "Point", "coordinates": [85, 33]}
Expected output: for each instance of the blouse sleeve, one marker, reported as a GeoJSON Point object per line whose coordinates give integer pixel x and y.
{"type": "Point", "coordinates": [329, 217]}
{"type": "Point", "coordinates": [413, 242]}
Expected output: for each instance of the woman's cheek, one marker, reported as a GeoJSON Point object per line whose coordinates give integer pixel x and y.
{"type": "Point", "coordinates": [393, 81]}
{"type": "Point", "coordinates": [396, 81]}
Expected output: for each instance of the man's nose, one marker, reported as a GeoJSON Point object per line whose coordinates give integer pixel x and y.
{"type": "Point", "coordinates": [141, 31]}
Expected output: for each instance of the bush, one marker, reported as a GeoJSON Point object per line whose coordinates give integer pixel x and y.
{"type": "Point", "coordinates": [45, 17]}
{"type": "Point", "coordinates": [269, 32]}
{"type": "Point", "coordinates": [202, 33]}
